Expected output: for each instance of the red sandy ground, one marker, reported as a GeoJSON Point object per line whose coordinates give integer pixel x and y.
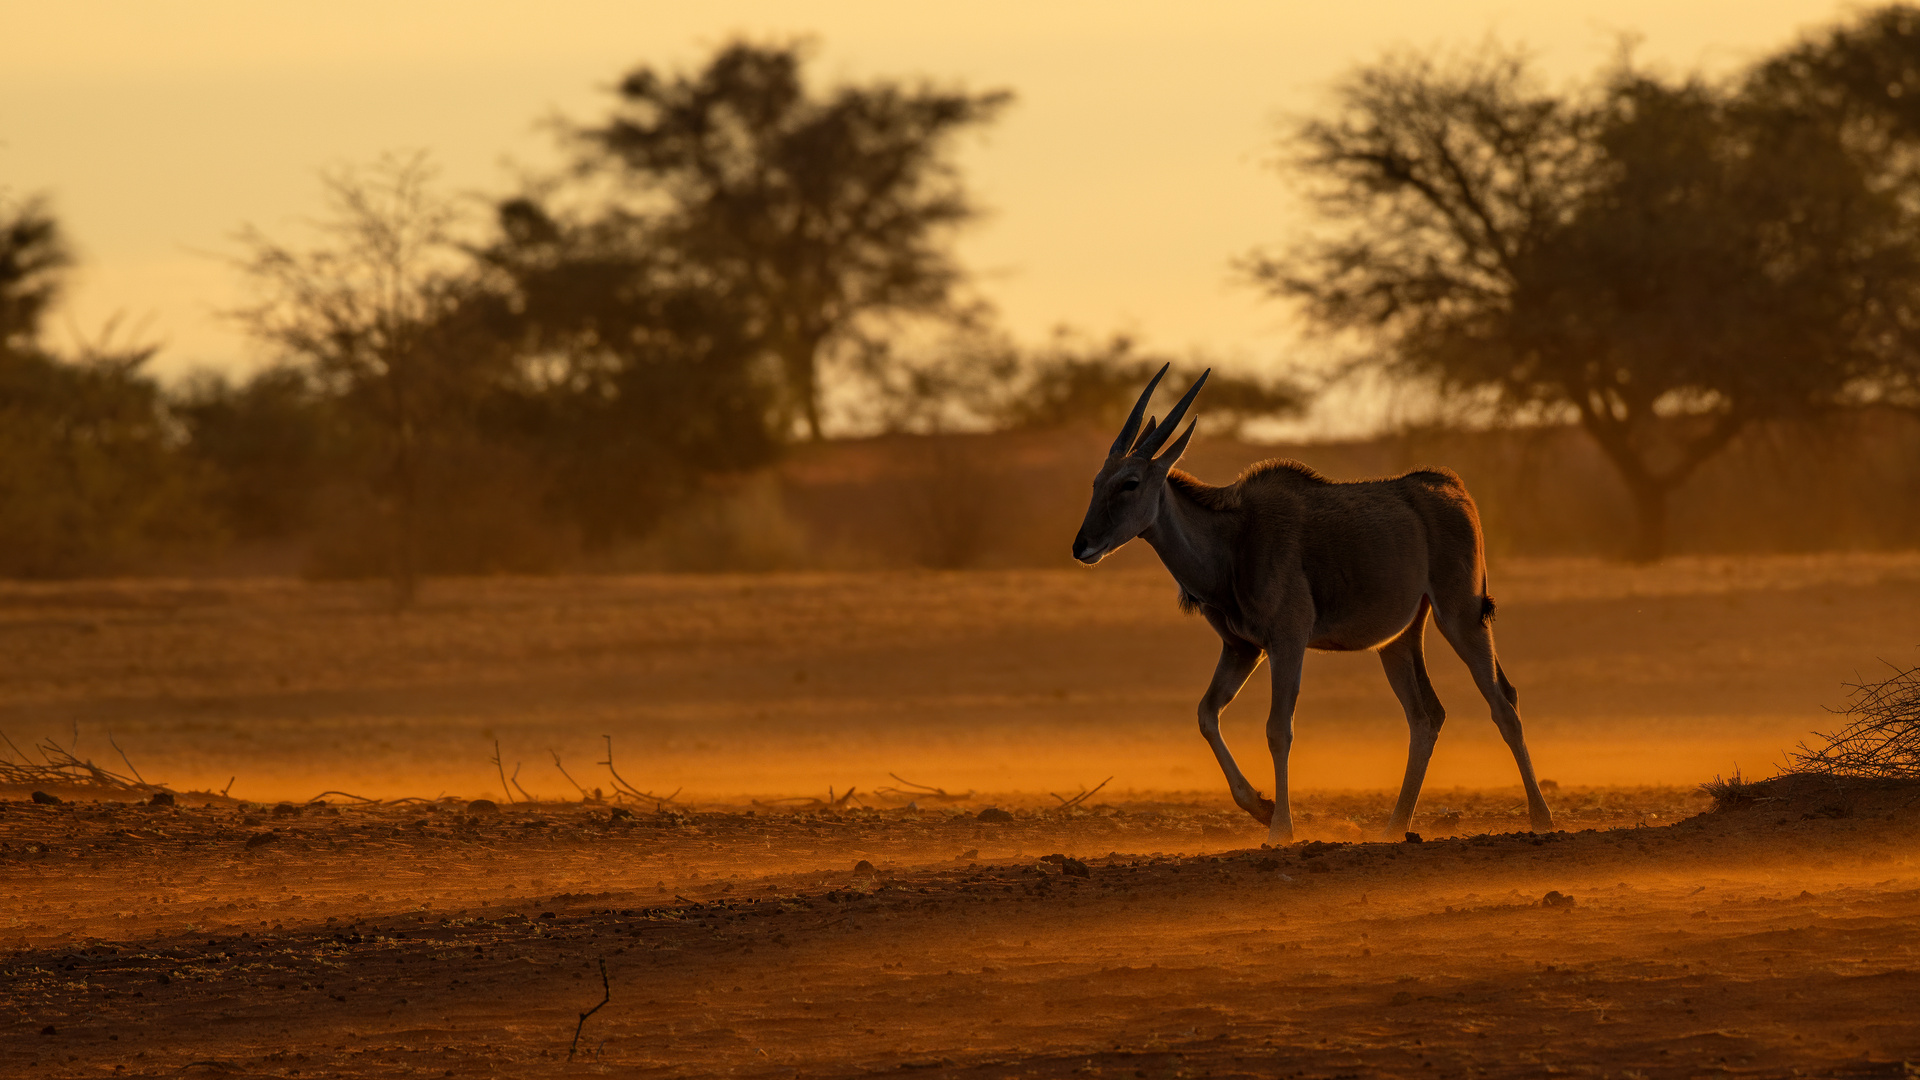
{"type": "Point", "coordinates": [410, 939]}
{"type": "Point", "coordinates": [1772, 939]}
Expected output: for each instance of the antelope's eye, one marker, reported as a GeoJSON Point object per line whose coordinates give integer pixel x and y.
{"type": "Point", "coordinates": [1129, 485]}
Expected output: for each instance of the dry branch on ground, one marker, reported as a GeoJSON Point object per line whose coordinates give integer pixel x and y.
{"type": "Point", "coordinates": [1881, 738]}
{"type": "Point", "coordinates": [620, 785]}
{"type": "Point", "coordinates": [922, 792]}
{"type": "Point", "coordinates": [1069, 803]}
{"type": "Point", "coordinates": [60, 766]}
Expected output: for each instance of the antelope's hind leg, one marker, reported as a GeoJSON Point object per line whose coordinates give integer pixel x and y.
{"type": "Point", "coordinates": [1237, 661]}
{"type": "Point", "coordinates": [1405, 662]}
{"type": "Point", "coordinates": [1464, 625]}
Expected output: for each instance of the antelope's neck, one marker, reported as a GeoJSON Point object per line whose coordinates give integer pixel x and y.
{"type": "Point", "coordinates": [1188, 540]}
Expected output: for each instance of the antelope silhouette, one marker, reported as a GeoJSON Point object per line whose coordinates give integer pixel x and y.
{"type": "Point", "coordinates": [1284, 560]}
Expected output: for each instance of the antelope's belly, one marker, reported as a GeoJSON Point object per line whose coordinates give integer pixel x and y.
{"type": "Point", "coordinates": [1368, 627]}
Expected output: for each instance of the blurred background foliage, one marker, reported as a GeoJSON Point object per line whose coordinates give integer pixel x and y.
{"type": "Point", "coordinates": [1650, 313]}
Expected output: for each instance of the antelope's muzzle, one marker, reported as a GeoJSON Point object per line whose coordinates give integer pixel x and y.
{"type": "Point", "coordinates": [1084, 551]}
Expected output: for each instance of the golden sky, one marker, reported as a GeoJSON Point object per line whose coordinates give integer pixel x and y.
{"type": "Point", "coordinates": [1131, 171]}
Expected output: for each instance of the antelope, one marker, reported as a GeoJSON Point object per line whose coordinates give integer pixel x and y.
{"type": "Point", "coordinates": [1284, 560]}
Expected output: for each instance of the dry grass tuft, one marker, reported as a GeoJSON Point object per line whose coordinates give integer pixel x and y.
{"type": "Point", "coordinates": [1733, 791]}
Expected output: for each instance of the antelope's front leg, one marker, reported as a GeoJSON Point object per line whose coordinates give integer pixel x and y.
{"type": "Point", "coordinates": [1286, 664]}
{"type": "Point", "coordinates": [1237, 661]}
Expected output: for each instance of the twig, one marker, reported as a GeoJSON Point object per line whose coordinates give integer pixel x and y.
{"type": "Point", "coordinates": [503, 771]}
{"type": "Point", "coordinates": [59, 765]}
{"type": "Point", "coordinates": [516, 782]}
{"type": "Point", "coordinates": [344, 794]}
{"type": "Point", "coordinates": [621, 783]}
{"type": "Point", "coordinates": [17, 750]}
{"type": "Point", "coordinates": [1882, 735]}
{"type": "Point", "coordinates": [811, 802]}
{"type": "Point", "coordinates": [606, 995]}
{"type": "Point", "coordinates": [922, 791]}
{"type": "Point", "coordinates": [1068, 804]}
{"type": "Point", "coordinates": [922, 787]}
{"type": "Point", "coordinates": [125, 758]}
{"type": "Point", "coordinates": [584, 797]}
{"type": "Point", "coordinates": [229, 787]}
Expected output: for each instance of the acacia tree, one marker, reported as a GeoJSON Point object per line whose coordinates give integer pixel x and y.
{"type": "Point", "coordinates": [381, 314]}
{"type": "Point", "coordinates": [814, 213]}
{"type": "Point", "coordinates": [1666, 262]}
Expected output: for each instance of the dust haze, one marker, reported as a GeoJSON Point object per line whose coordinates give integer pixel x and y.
{"type": "Point", "coordinates": [751, 926]}
{"type": "Point", "coordinates": [1022, 681]}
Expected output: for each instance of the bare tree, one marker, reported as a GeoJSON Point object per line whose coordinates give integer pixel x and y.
{"type": "Point", "coordinates": [374, 310]}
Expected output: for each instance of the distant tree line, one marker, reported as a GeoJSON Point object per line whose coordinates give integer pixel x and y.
{"type": "Point", "coordinates": [724, 250]}
{"type": "Point", "coordinates": [733, 257]}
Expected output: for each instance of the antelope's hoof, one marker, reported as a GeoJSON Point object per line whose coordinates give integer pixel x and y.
{"type": "Point", "coordinates": [1263, 813]}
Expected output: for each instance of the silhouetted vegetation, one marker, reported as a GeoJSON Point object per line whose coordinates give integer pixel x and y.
{"type": "Point", "coordinates": [817, 216]}
{"type": "Point", "coordinates": [91, 480]}
{"type": "Point", "coordinates": [1647, 285]}
{"type": "Point", "coordinates": [1881, 736]}
{"type": "Point", "coordinates": [1665, 261]}
{"type": "Point", "coordinates": [983, 382]}
{"type": "Point", "coordinates": [386, 318]}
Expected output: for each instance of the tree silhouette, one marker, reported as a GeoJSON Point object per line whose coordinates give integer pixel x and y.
{"type": "Point", "coordinates": [815, 213]}
{"type": "Point", "coordinates": [386, 315]}
{"type": "Point", "coordinates": [33, 253]}
{"type": "Point", "coordinates": [1862, 79]}
{"type": "Point", "coordinates": [90, 481]}
{"type": "Point", "coordinates": [1666, 262]}
{"type": "Point", "coordinates": [638, 383]}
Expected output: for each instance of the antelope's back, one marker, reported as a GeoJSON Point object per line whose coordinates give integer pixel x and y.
{"type": "Point", "coordinates": [1455, 544]}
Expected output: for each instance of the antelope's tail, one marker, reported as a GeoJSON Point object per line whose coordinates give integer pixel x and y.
{"type": "Point", "coordinates": [1486, 619]}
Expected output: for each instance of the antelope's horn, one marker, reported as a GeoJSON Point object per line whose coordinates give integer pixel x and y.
{"type": "Point", "coordinates": [1172, 456]}
{"type": "Point", "coordinates": [1151, 443]}
{"type": "Point", "coordinates": [1147, 431]}
{"type": "Point", "coordinates": [1125, 442]}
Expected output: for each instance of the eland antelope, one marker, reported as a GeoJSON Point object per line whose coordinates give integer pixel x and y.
{"type": "Point", "coordinates": [1284, 560]}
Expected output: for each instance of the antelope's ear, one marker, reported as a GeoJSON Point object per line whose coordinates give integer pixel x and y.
{"type": "Point", "coordinates": [1172, 456]}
